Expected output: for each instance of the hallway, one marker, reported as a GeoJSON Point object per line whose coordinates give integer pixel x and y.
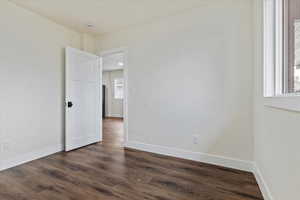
{"type": "Point", "coordinates": [113, 132]}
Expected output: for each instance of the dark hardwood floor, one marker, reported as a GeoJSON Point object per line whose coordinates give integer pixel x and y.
{"type": "Point", "coordinates": [108, 172]}
{"type": "Point", "coordinates": [113, 132]}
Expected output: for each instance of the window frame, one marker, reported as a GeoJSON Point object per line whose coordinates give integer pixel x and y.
{"type": "Point", "coordinates": [275, 64]}
{"type": "Point", "coordinates": [116, 85]}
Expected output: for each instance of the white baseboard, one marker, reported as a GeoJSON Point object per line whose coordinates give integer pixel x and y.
{"type": "Point", "coordinates": [115, 115]}
{"type": "Point", "coordinates": [262, 183]}
{"type": "Point", "coordinates": [196, 156]}
{"type": "Point", "coordinates": [207, 158]}
{"type": "Point", "coordinates": [13, 162]}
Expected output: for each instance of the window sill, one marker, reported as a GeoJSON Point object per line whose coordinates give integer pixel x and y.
{"type": "Point", "coordinates": [285, 102]}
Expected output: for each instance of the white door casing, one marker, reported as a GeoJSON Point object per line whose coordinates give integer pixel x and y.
{"type": "Point", "coordinates": [83, 99]}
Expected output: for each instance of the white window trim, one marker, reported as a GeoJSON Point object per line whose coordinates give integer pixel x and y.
{"type": "Point", "coordinates": [285, 102]}
{"type": "Point", "coordinates": [273, 60]}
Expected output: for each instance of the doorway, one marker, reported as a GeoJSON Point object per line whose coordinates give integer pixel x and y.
{"type": "Point", "coordinates": [114, 97]}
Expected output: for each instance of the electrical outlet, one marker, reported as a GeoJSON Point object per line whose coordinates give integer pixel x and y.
{"type": "Point", "coordinates": [4, 147]}
{"type": "Point", "coordinates": [1, 149]}
{"type": "Point", "coordinates": [196, 139]}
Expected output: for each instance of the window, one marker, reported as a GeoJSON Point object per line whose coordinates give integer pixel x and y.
{"type": "Point", "coordinates": [282, 54]}
{"type": "Point", "coordinates": [295, 85]}
{"type": "Point", "coordinates": [118, 88]}
{"type": "Point", "coordinates": [282, 47]}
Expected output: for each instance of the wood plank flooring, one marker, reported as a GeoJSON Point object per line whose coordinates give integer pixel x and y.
{"type": "Point", "coordinates": [108, 172]}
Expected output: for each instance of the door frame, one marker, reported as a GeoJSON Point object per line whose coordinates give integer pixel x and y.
{"type": "Point", "coordinates": [123, 50]}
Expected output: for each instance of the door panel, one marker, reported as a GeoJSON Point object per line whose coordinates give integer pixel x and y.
{"type": "Point", "coordinates": [83, 89]}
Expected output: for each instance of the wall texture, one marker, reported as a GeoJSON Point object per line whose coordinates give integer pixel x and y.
{"type": "Point", "coordinates": [113, 107]}
{"type": "Point", "coordinates": [276, 132]}
{"type": "Point", "coordinates": [191, 74]}
{"type": "Point", "coordinates": [31, 84]}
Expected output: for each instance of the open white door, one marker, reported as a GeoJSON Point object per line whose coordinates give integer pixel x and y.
{"type": "Point", "coordinates": [83, 99]}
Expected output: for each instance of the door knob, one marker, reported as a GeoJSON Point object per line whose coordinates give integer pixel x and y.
{"type": "Point", "coordinates": [70, 104]}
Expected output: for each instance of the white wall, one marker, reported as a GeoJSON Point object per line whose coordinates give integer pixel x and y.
{"type": "Point", "coordinates": [31, 84]}
{"type": "Point", "coordinates": [197, 79]}
{"type": "Point", "coordinates": [276, 133]}
{"type": "Point", "coordinates": [88, 43]}
{"type": "Point", "coordinates": [196, 70]}
{"type": "Point", "coordinates": [113, 107]}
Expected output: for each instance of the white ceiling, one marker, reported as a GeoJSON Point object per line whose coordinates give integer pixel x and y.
{"type": "Point", "coordinates": [112, 62]}
{"type": "Point", "coordinates": [106, 15]}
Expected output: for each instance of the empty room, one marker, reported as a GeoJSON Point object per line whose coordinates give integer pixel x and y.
{"type": "Point", "coordinates": [149, 99]}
